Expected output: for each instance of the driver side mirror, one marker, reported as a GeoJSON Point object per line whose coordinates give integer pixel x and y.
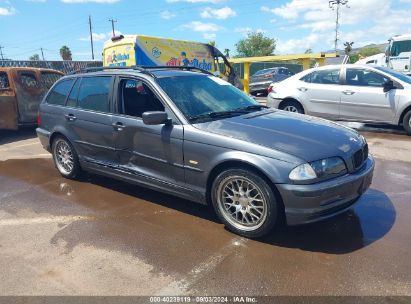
{"type": "Point", "coordinates": [388, 86]}
{"type": "Point", "coordinates": [155, 118]}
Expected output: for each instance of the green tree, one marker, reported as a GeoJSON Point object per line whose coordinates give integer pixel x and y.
{"type": "Point", "coordinates": [212, 42]}
{"type": "Point", "coordinates": [354, 58]}
{"type": "Point", "coordinates": [65, 53]}
{"type": "Point", "coordinates": [227, 53]}
{"type": "Point", "coordinates": [256, 44]}
{"type": "Point", "coordinates": [369, 51]}
{"type": "Point", "coordinates": [35, 57]}
{"type": "Point", "coordinates": [308, 51]}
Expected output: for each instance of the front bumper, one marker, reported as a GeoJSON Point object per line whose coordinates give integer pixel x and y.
{"type": "Point", "coordinates": [310, 203]}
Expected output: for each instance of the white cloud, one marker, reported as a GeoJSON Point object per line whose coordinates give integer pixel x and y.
{"type": "Point", "coordinates": [376, 21]}
{"type": "Point", "coordinates": [197, 1]}
{"type": "Point", "coordinates": [246, 30]}
{"type": "Point", "coordinates": [100, 36]}
{"type": "Point", "coordinates": [198, 26]}
{"type": "Point", "coordinates": [167, 15]}
{"type": "Point", "coordinates": [222, 13]}
{"type": "Point", "coordinates": [209, 36]}
{"type": "Point", "coordinates": [7, 11]}
{"type": "Point", "coordinates": [90, 1]}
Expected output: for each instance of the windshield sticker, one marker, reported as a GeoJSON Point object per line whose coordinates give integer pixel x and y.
{"type": "Point", "coordinates": [219, 80]}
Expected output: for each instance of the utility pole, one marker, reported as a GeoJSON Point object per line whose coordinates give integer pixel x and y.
{"type": "Point", "coordinates": [91, 37]}
{"type": "Point", "coordinates": [112, 25]}
{"type": "Point", "coordinates": [1, 52]}
{"type": "Point", "coordinates": [335, 5]}
{"type": "Point", "coordinates": [42, 54]}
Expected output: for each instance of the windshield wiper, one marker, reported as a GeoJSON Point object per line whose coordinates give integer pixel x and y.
{"type": "Point", "coordinates": [253, 107]}
{"type": "Point", "coordinates": [221, 114]}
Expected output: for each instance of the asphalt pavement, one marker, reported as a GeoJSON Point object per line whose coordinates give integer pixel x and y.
{"type": "Point", "coordinates": [99, 236]}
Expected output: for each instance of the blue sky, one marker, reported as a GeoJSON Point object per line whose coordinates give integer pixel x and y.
{"type": "Point", "coordinates": [28, 25]}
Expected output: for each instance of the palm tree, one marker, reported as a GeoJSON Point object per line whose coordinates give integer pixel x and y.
{"type": "Point", "coordinates": [227, 53]}
{"type": "Point", "coordinates": [65, 53]}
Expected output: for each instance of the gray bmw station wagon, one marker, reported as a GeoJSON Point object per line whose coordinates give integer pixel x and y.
{"type": "Point", "coordinates": [187, 133]}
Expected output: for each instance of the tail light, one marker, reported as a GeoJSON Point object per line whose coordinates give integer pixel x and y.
{"type": "Point", "coordinates": [270, 89]}
{"type": "Point", "coordinates": [38, 119]}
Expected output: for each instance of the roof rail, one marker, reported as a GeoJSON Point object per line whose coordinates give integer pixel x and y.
{"type": "Point", "coordinates": [143, 69]}
{"type": "Point", "coordinates": [166, 67]}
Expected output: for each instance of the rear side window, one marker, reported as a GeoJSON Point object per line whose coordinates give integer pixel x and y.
{"type": "Point", "coordinates": [4, 81]}
{"type": "Point", "coordinates": [323, 77]}
{"type": "Point", "coordinates": [94, 92]}
{"type": "Point", "coordinates": [59, 93]}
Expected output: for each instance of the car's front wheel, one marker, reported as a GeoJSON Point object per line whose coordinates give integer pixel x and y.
{"type": "Point", "coordinates": [407, 122]}
{"type": "Point", "coordinates": [244, 202]}
{"type": "Point", "coordinates": [65, 158]}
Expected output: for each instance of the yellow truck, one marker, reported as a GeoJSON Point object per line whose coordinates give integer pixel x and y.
{"type": "Point", "coordinates": [130, 50]}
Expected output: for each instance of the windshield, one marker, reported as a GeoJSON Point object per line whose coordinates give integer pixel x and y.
{"type": "Point", "coordinates": [399, 47]}
{"type": "Point", "coordinates": [202, 95]}
{"type": "Point", "coordinates": [398, 75]}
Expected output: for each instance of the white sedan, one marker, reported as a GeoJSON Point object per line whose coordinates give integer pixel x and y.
{"type": "Point", "coordinates": [361, 93]}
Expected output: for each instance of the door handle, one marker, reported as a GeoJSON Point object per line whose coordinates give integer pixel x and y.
{"type": "Point", "coordinates": [70, 117]}
{"type": "Point", "coordinates": [303, 89]}
{"type": "Point", "coordinates": [348, 92]}
{"type": "Point", "coordinates": [119, 126]}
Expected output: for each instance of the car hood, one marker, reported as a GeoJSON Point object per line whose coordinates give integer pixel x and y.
{"type": "Point", "coordinates": [306, 137]}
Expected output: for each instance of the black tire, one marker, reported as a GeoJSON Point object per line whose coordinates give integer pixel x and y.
{"type": "Point", "coordinates": [268, 208]}
{"type": "Point", "coordinates": [407, 122]}
{"type": "Point", "coordinates": [292, 106]}
{"type": "Point", "coordinates": [71, 173]}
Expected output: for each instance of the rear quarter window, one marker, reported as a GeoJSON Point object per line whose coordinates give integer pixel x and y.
{"type": "Point", "coordinates": [59, 93]}
{"type": "Point", "coordinates": [4, 81]}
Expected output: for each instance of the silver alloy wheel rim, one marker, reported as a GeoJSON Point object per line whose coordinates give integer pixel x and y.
{"type": "Point", "coordinates": [291, 109]}
{"type": "Point", "coordinates": [409, 122]}
{"type": "Point", "coordinates": [64, 157]}
{"type": "Point", "coordinates": [242, 203]}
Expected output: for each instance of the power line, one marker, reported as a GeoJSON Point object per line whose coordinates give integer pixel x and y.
{"type": "Point", "coordinates": [335, 5]}
{"type": "Point", "coordinates": [112, 25]}
{"type": "Point", "coordinates": [91, 37]}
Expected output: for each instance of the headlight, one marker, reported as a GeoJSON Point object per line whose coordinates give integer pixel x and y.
{"type": "Point", "coordinates": [325, 168]}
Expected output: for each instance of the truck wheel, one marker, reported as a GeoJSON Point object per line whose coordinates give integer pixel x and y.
{"type": "Point", "coordinates": [244, 202]}
{"type": "Point", "coordinates": [65, 158]}
{"type": "Point", "coordinates": [407, 122]}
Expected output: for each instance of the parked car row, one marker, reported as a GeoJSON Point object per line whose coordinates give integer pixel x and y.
{"type": "Point", "coordinates": [362, 93]}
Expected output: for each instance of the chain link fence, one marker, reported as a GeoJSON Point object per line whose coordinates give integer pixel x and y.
{"type": "Point", "coordinates": [66, 67]}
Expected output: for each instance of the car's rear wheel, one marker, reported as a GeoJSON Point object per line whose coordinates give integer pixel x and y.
{"type": "Point", "coordinates": [244, 202]}
{"type": "Point", "coordinates": [407, 122]}
{"type": "Point", "coordinates": [292, 106]}
{"type": "Point", "coordinates": [65, 158]}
